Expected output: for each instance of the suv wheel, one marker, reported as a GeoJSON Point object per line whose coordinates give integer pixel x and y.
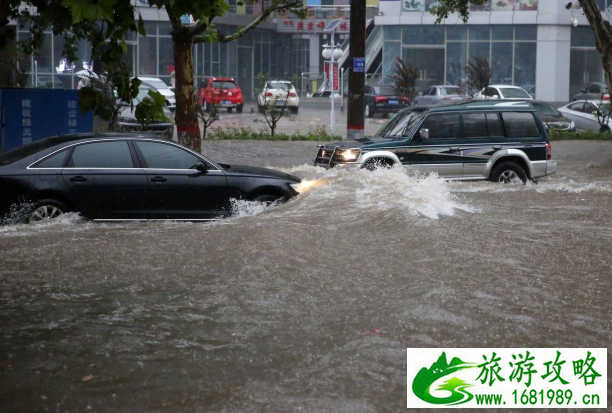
{"type": "Point", "coordinates": [239, 109]}
{"type": "Point", "coordinates": [47, 209]}
{"type": "Point", "coordinates": [229, 110]}
{"type": "Point", "coordinates": [508, 173]}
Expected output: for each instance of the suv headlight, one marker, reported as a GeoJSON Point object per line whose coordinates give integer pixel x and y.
{"type": "Point", "coordinates": [348, 155]}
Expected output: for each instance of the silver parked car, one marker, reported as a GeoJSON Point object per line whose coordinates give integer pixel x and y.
{"type": "Point", "coordinates": [593, 91]}
{"type": "Point", "coordinates": [587, 114]}
{"type": "Point", "coordinates": [441, 94]}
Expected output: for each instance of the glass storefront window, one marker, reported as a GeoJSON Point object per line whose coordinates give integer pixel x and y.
{"type": "Point", "coordinates": [456, 33]}
{"type": "Point", "coordinates": [456, 60]}
{"type": "Point", "coordinates": [502, 32]}
{"type": "Point", "coordinates": [480, 49]}
{"type": "Point", "coordinates": [392, 32]}
{"type": "Point", "coordinates": [501, 63]}
{"type": "Point", "coordinates": [524, 32]}
{"type": "Point", "coordinates": [525, 65]}
{"type": "Point", "coordinates": [166, 56]}
{"type": "Point", "coordinates": [147, 57]}
{"type": "Point", "coordinates": [391, 50]}
{"type": "Point", "coordinates": [480, 33]}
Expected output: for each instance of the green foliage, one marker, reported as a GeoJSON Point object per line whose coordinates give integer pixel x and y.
{"type": "Point", "coordinates": [245, 133]}
{"type": "Point", "coordinates": [443, 8]}
{"type": "Point", "coordinates": [404, 78]}
{"type": "Point", "coordinates": [555, 135]}
{"type": "Point", "coordinates": [151, 109]}
{"type": "Point", "coordinates": [478, 72]}
{"type": "Point", "coordinates": [86, 10]}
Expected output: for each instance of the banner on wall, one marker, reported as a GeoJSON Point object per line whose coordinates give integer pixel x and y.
{"type": "Point", "coordinates": [35, 114]}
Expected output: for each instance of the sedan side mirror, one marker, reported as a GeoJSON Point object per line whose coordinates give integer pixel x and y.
{"type": "Point", "coordinates": [202, 167]}
{"type": "Point", "coordinates": [424, 134]}
{"type": "Point", "coordinates": [420, 93]}
{"type": "Point", "coordinates": [583, 90]}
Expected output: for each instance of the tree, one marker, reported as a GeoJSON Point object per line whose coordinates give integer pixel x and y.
{"type": "Point", "coordinates": [601, 27]}
{"type": "Point", "coordinates": [404, 78]}
{"type": "Point", "coordinates": [185, 36]}
{"type": "Point", "coordinates": [270, 109]}
{"type": "Point", "coordinates": [208, 114]}
{"type": "Point", "coordinates": [478, 72]}
{"type": "Point", "coordinates": [106, 24]}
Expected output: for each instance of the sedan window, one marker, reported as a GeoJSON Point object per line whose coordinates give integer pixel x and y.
{"type": "Point", "coordinates": [576, 106]}
{"type": "Point", "coordinates": [514, 93]}
{"type": "Point", "coordinates": [54, 161]}
{"type": "Point", "coordinates": [162, 156]}
{"type": "Point", "coordinates": [114, 154]}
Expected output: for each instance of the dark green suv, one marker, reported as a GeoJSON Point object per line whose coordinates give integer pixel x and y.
{"type": "Point", "coordinates": [503, 141]}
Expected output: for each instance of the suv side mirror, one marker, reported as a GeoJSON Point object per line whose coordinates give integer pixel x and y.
{"type": "Point", "coordinates": [202, 167]}
{"type": "Point", "coordinates": [424, 134]}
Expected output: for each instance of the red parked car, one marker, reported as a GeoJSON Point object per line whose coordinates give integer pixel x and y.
{"type": "Point", "coordinates": [221, 91]}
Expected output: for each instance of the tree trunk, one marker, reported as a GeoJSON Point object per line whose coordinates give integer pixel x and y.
{"type": "Point", "coordinates": [186, 118]}
{"type": "Point", "coordinates": [603, 36]}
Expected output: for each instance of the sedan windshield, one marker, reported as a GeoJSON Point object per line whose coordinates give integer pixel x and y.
{"type": "Point", "coordinates": [224, 85]}
{"type": "Point", "coordinates": [383, 90]}
{"type": "Point", "coordinates": [280, 85]}
{"type": "Point", "coordinates": [445, 91]}
{"type": "Point", "coordinates": [400, 125]}
{"type": "Point", "coordinates": [605, 108]}
{"type": "Point", "coordinates": [510, 92]}
{"type": "Point", "coordinates": [545, 109]}
{"type": "Point", "coordinates": [157, 84]}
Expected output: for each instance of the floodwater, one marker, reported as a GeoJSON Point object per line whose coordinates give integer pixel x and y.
{"type": "Point", "coordinates": [307, 306]}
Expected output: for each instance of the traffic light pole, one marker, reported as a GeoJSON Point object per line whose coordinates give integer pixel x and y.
{"type": "Point", "coordinates": [357, 46]}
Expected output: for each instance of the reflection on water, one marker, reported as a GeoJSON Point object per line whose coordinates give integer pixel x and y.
{"type": "Point", "coordinates": [269, 310]}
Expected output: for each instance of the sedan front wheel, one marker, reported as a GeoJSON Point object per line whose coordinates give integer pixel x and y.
{"type": "Point", "coordinates": [47, 209]}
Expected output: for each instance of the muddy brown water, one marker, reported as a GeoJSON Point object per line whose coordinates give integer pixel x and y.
{"type": "Point", "coordinates": [307, 306]}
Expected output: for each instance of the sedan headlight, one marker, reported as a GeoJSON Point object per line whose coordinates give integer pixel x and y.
{"type": "Point", "coordinates": [297, 187]}
{"type": "Point", "coordinates": [572, 125]}
{"type": "Point", "coordinates": [349, 155]}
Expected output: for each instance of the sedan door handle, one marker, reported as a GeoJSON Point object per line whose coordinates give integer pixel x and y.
{"type": "Point", "coordinates": [159, 179]}
{"type": "Point", "coordinates": [497, 147]}
{"type": "Point", "coordinates": [78, 179]}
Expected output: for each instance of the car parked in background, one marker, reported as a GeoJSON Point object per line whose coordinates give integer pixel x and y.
{"type": "Point", "coordinates": [279, 93]}
{"type": "Point", "coordinates": [552, 118]}
{"type": "Point", "coordinates": [160, 86]}
{"type": "Point", "coordinates": [117, 177]}
{"type": "Point", "coordinates": [502, 141]}
{"type": "Point", "coordinates": [127, 118]}
{"type": "Point", "coordinates": [504, 92]}
{"type": "Point", "coordinates": [593, 91]}
{"type": "Point", "coordinates": [220, 91]}
{"type": "Point", "coordinates": [383, 99]}
{"type": "Point", "coordinates": [587, 114]}
{"type": "Point", "coordinates": [441, 94]}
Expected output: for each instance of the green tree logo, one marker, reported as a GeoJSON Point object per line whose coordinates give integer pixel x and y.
{"type": "Point", "coordinates": [425, 378]}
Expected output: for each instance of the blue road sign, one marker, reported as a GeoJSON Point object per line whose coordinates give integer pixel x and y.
{"type": "Point", "coordinates": [359, 65]}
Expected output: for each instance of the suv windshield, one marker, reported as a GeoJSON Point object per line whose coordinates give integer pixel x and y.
{"type": "Point", "coordinates": [510, 92]}
{"type": "Point", "coordinates": [399, 123]}
{"type": "Point", "coordinates": [224, 85]}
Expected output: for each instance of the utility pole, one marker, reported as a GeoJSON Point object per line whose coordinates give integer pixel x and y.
{"type": "Point", "coordinates": [357, 46]}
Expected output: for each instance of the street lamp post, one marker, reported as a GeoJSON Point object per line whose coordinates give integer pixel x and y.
{"type": "Point", "coordinates": [330, 52]}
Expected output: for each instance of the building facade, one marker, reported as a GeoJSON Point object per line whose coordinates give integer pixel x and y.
{"type": "Point", "coordinates": [536, 44]}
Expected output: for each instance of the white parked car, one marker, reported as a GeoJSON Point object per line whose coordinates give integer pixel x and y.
{"type": "Point", "coordinates": [504, 92]}
{"type": "Point", "coordinates": [278, 92]}
{"type": "Point", "coordinates": [587, 113]}
{"type": "Point", "coordinates": [127, 117]}
{"type": "Point", "coordinates": [161, 87]}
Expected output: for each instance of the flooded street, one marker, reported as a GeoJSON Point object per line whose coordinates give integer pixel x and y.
{"type": "Point", "coordinates": [307, 306]}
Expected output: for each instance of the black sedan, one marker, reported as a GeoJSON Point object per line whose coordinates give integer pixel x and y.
{"type": "Point", "coordinates": [383, 99]}
{"type": "Point", "coordinates": [115, 177]}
